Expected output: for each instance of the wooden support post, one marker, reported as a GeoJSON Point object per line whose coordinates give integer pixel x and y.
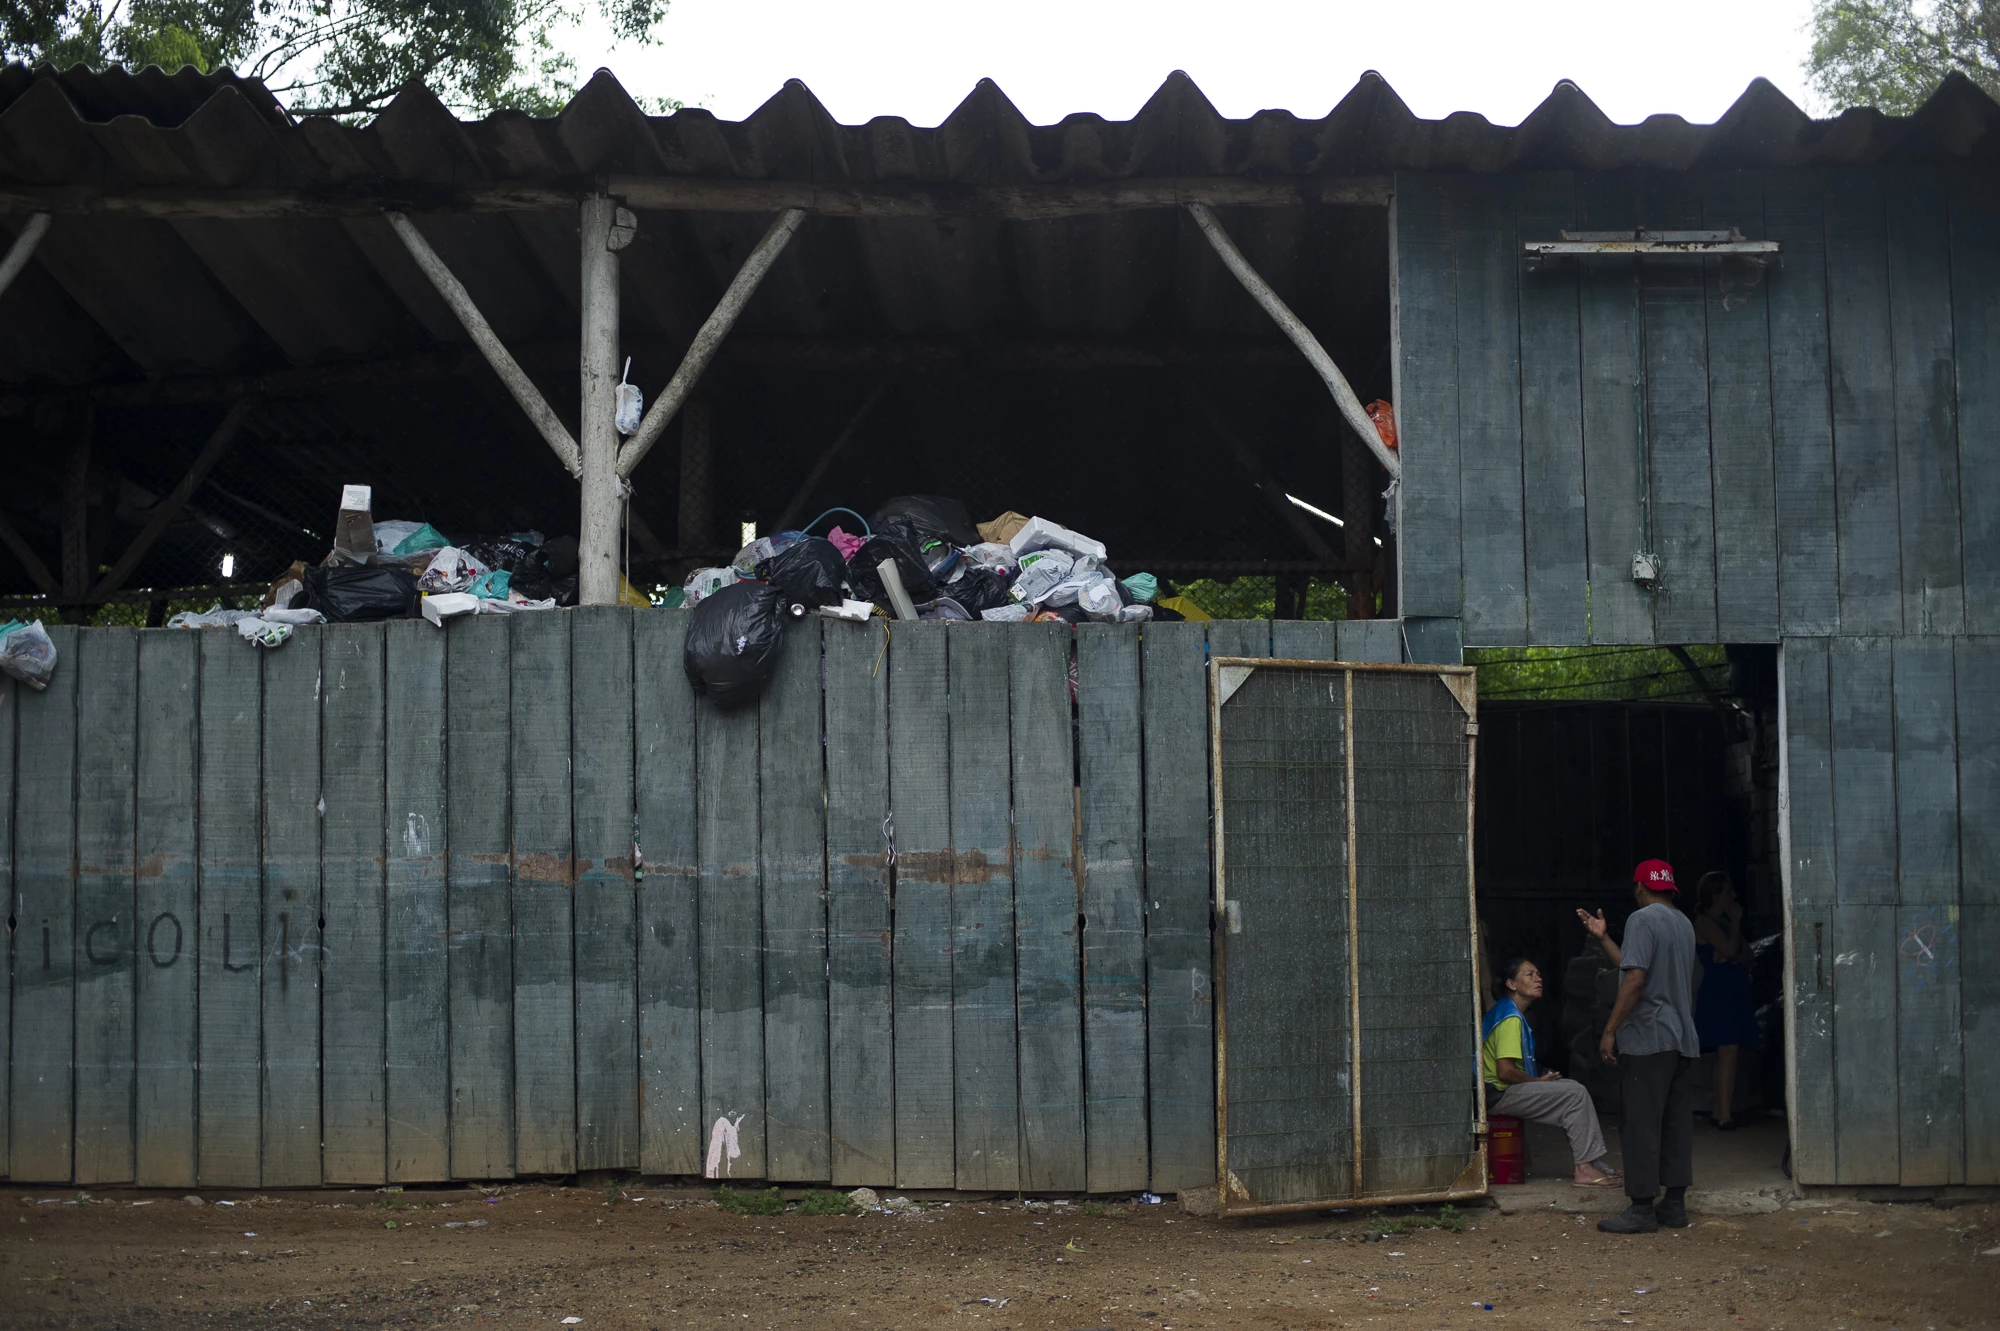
{"type": "Point", "coordinates": [597, 547]}
{"type": "Point", "coordinates": [76, 509]}
{"type": "Point", "coordinates": [826, 459]}
{"type": "Point", "coordinates": [38, 572]}
{"type": "Point", "coordinates": [169, 506]}
{"type": "Point", "coordinates": [510, 371]}
{"type": "Point", "coordinates": [1357, 507]}
{"type": "Point", "coordinates": [692, 535]}
{"type": "Point", "coordinates": [703, 349]}
{"type": "Point", "coordinates": [1295, 329]}
{"type": "Point", "coordinates": [23, 249]}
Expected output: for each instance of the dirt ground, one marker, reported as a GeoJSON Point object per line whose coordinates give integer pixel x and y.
{"type": "Point", "coordinates": [536, 1256]}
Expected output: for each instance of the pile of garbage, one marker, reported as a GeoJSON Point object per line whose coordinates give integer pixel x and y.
{"type": "Point", "coordinates": [916, 557]}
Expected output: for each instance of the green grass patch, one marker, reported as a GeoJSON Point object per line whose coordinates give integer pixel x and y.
{"type": "Point", "coordinates": [766, 1202]}
{"type": "Point", "coordinates": [816, 1202]}
{"type": "Point", "coordinates": [1445, 1217]}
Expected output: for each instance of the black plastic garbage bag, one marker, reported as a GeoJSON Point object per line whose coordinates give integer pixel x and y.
{"type": "Point", "coordinates": [980, 589]}
{"type": "Point", "coordinates": [893, 540]}
{"type": "Point", "coordinates": [809, 572]}
{"type": "Point", "coordinates": [354, 594]}
{"type": "Point", "coordinates": [931, 517]}
{"type": "Point", "coordinates": [733, 640]}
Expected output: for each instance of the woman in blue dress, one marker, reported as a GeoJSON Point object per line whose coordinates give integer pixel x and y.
{"type": "Point", "coordinates": [1724, 1016]}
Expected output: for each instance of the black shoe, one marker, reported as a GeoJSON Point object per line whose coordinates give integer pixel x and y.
{"type": "Point", "coordinates": [1725, 1125]}
{"type": "Point", "coordinates": [1672, 1215]}
{"type": "Point", "coordinates": [1633, 1220]}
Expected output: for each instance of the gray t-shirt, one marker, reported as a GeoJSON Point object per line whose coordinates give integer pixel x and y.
{"type": "Point", "coordinates": [1660, 941]}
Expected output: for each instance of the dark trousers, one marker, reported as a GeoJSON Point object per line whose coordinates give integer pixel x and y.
{"type": "Point", "coordinates": [1659, 1123]}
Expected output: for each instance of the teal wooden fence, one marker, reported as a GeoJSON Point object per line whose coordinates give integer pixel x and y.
{"type": "Point", "coordinates": [390, 904]}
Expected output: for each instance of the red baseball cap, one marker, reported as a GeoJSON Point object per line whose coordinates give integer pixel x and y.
{"type": "Point", "coordinates": [1655, 876]}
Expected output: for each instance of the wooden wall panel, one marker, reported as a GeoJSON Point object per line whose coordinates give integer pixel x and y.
{"type": "Point", "coordinates": [478, 890]}
{"type": "Point", "coordinates": [605, 941]}
{"type": "Point", "coordinates": [291, 943]}
{"type": "Point", "coordinates": [229, 1102]}
{"type": "Point", "coordinates": [1426, 392]}
{"type": "Point", "coordinates": [416, 954]}
{"type": "Point", "coordinates": [1111, 835]}
{"type": "Point", "coordinates": [10, 712]}
{"type": "Point", "coordinates": [1810, 895]}
{"type": "Point", "coordinates": [673, 1136]}
{"type": "Point", "coordinates": [1801, 406]}
{"type": "Point", "coordinates": [1491, 538]}
{"type": "Point", "coordinates": [730, 928]}
{"type": "Point", "coordinates": [791, 783]}
{"type": "Point", "coordinates": [1180, 994]}
{"type": "Point", "coordinates": [1554, 516]}
{"type": "Point", "coordinates": [1975, 312]}
{"type": "Point", "coordinates": [1048, 949]}
{"type": "Point", "coordinates": [107, 667]}
{"type": "Point", "coordinates": [860, 919]}
{"type": "Point", "coordinates": [168, 768]}
{"type": "Point", "coordinates": [353, 966]}
{"type": "Point", "coordinates": [1864, 406]}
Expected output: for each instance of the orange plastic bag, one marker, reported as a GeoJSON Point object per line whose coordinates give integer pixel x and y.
{"type": "Point", "coordinates": [1384, 416]}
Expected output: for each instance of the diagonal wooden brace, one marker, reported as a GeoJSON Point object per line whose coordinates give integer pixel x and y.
{"type": "Point", "coordinates": [706, 342]}
{"type": "Point", "coordinates": [23, 249]}
{"type": "Point", "coordinates": [170, 506]}
{"type": "Point", "coordinates": [504, 365]}
{"type": "Point", "coordinates": [1301, 336]}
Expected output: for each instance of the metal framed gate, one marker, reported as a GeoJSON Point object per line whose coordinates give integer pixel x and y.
{"type": "Point", "coordinates": [1347, 1011]}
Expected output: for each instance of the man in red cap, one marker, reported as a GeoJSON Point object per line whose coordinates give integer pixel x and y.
{"type": "Point", "coordinates": [1650, 1037]}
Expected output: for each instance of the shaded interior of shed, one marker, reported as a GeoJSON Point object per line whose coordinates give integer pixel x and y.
{"type": "Point", "coordinates": [1048, 366]}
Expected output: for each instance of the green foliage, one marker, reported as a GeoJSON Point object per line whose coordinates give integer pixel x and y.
{"type": "Point", "coordinates": [816, 1202]}
{"type": "Point", "coordinates": [1256, 597]}
{"type": "Point", "coordinates": [1891, 54]}
{"type": "Point", "coordinates": [1573, 674]}
{"type": "Point", "coordinates": [751, 1202]}
{"type": "Point", "coordinates": [336, 57]}
{"type": "Point", "coordinates": [1445, 1217]}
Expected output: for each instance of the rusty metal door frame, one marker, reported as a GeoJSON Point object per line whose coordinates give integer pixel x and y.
{"type": "Point", "coordinates": [1462, 681]}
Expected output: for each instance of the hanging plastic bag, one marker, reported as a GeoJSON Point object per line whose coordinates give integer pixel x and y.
{"type": "Point", "coordinates": [27, 653]}
{"type": "Point", "coordinates": [350, 595]}
{"type": "Point", "coordinates": [631, 402]}
{"type": "Point", "coordinates": [809, 571]}
{"type": "Point", "coordinates": [733, 641]}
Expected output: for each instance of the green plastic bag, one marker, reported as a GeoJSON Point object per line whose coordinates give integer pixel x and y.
{"type": "Point", "coordinates": [1143, 586]}
{"type": "Point", "coordinates": [423, 538]}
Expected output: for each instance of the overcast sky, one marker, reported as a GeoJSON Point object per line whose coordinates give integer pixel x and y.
{"type": "Point", "coordinates": [919, 58]}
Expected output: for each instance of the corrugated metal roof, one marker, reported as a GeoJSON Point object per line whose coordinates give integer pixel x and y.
{"type": "Point", "coordinates": [132, 299]}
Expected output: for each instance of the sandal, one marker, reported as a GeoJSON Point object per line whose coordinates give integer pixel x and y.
{"type": "Point", "coordinates": [1607, 1181]}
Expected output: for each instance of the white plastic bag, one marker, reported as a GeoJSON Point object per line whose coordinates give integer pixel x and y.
{"type": "Point", "coordinates": [631, 403]}
{"type": "Point", "coordinates": [450, 570]}
{"type": "Point", "coordinates": [215, 617]}
{"type": "Point", "coordinates": [1098, 598]}
{"type": "Point", "coordinates": [1041, 534]}
{"type": "Point", "coordinates": [1041, 573]}
{"type": "Point", "coordinates": [1135, 614]}
{"type": "Point", "coordinates": [28, 653]}
{"type": "Point", "coordinates": [1081, 574]}
{"type": "Point", "coordinates": [1006, 614]}
{"type": "Point", "coordinates": [994, 555]}
{"type": "Point", "coordinates": [707, 582]}
{"type": "Point", "coordinates": [262, 632]}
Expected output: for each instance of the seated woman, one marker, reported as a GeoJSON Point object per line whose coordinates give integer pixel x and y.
{"type": "Point", "coordinates": [1516, 1087]}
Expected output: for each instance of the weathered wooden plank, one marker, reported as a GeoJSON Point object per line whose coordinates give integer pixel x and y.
{"type": "Point", "coordinates": [1801, 405]}
{"type": "Point", "coordinates": [1112, 838]}
{"type": "Point", "coordinates": [1551, 392]}
{"type": "Point", "coordinates": [1180, 1054]}
{"type": "Point", "coordinates": [920, 774]}
{"type": "Point", "coordinates": [1864, 785]}
{"type": "Point", "coordinates": [1425, 311]}
{"type": "Point", "coordinates": [1864, 405]}
{"type": "Point", "coordinates": [107, 666]}
{"type": "Point", "coordinates": [672, 1132]}
{"type": "Point", "coordinates": [1048, 951]}
{"type": "Point", "coordinates": [292, 942]}
{"type": "Point", "coordinates": [1930, 1066]}
{"type": "Point", "coordinates": [791, 787]}
{"type": "Point", "coordinates": [1979, 981]}
{"type": "Point", "coordinates": [607, 994]}
{"type": "Point", "coordinates": [543, 898]}
{"type": "Point", "coordinates": [43, 1092]}
{"type": "Point", "coordinates": [167, 773]}
{"type": "Point", "coordinates": [1926, 399]}
{"type": "Point", "coordinates": [861, 1018]}
{"type": "Point", "coordinates": [1239, 637]}
{"type": "Point", "coordinates": [1492, 539]}
{"type": "Point", "coordinates": [731, 934]}
{"type": "Point", "coordinates": [416, 953]}
{"type": "Point", "coordinates": [1864, 1042]}
{"type": "Point", "coordinates": [353, 971]}
{"type": "Point", "coordinates": [1308, 639]}
{"type": "Point", "coordinates": [1975, 312]}
{"type": "Point", "coordinates": [1740, 425]}
{"type": "Point", "coordinates": [1808, 843]}
{"type": "Point", "coordinates": [1680, 493]}
{"type": "Point", "coordinates": [10, 692]}
{"type": "Point", "coordinates": [479, 936]}
{"type": "Point", "coordinates": [230, 809]}
{"type": "Point", "coordinates": [1373, 640]}
{"type": "Point", "coordinates": [1614, 442]}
